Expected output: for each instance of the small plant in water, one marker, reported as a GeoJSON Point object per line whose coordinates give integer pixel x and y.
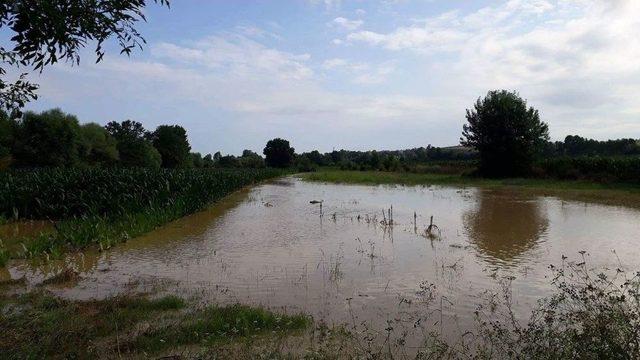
{"type": "Point", "coordinates": [432, 231]}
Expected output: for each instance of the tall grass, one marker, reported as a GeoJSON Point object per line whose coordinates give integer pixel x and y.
{"type": "Point", "coordinates": [105, 206]}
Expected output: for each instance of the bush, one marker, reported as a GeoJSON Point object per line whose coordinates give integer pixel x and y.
{"type": "Point", "coordinates": [591, 315]}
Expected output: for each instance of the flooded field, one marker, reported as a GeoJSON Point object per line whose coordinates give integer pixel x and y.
{"type": "Point", "coordinates": [341, 262]}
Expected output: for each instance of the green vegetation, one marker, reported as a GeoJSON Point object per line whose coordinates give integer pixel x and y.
{"type": "Point", "coordinates": [38, 325]}
{"type": "Point", "coordinates": [104, 206]}
{"type": "Point", "coordinates": [134, 148]}
{"type": "Point", "coordinates": [279, 153]}
{"type": "Point", "coordinates": [173, 146]}
{"type": "Point", "coordinates": [406, 178]}
{"type": "Point", "coordinates": [600, 169]}
{"type": "Point", "coordinates": [218, 323]}
{"type": "Point", "coordinates": [590, 315]}
{"type": "Point", "coordinates": [56, 139]}
{"type": "Point", "coordinates": [507, 134]}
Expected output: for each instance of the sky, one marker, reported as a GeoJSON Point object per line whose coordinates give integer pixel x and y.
{"type": "Point", "coordinates": [360, 74]}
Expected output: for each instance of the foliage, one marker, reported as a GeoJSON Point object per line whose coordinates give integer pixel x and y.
{"type": "Point", "coordinates": [7, 139]}
{"type": "Point", "coordinates": [217, 323]}
{"type": "Point", "coordinates": [37, 325]}
{"type": "Point", "coordinates": [172, 144]}
{"type": "Point", "coordinates": [207, 161]}
{"type": "Point", "coordinates": [602, 169]}
{"type": "Point", "coordinates": [250, 159]}
{"type": "Point", "coordinates": [592, 315]}
{"type": "Point", "coordinates": [49, 138]}
{"type": "Point", "coordinates": [97, 146]}
{"type": "Point", "coordinates": [13, 96]}
{"type": "Point", "coordinates": [577, 146]}
{"type": "Point", "coordinates": [105, 206]}
{"type": "Point", "coordinates": [133, 146]}
{"type": "Point", "coordinates": [47, 31]}
{"type": "Point", "coordinates": [196, 160]}
{"type": "Point", "coordinates": [279, 153]}
{"type": "Point", "coordinates": [393, 160]}
{"type": "Point", "coordinates": [507, 134]}
{"type": "Point", "coordinates": [304, 164]}
{"type": "Point", "coordinates": [64, 193]}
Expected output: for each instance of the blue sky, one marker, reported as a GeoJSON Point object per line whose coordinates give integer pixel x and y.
{"type": "Point", "coordinates": [361, 74]}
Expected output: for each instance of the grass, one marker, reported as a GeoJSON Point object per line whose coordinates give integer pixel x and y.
{"type": "Point", "coordinates": [591, 315]}
{"type": "Point", "coordinates": [38, 325]}
{"type": "Point", "coordinates": [404, 178]}
{"type": "Point", "coordinates": [215, 324]}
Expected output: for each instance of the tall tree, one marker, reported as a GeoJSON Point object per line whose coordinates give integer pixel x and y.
{"type": "Point", "coordinates": [97, 146]}
{"type": "Point", "coordinates": [49, 138]}
{"type": "Point", "coordinates": [7, 139]}
{"type": "Point", "coordinates": [134, 148]}
{"type": "Point", "coordinates": [47, 31]}
{"type": "Point", "coordinates": [279, 153]}
{"type": "Point", "coordinates": [172, 144]}
{"type": "Point", "coordinates": [507, 134]}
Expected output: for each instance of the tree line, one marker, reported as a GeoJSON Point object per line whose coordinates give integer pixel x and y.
{"type": "Point", "coordinates": [54, 138]}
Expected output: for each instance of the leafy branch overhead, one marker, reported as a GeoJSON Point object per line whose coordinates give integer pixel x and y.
{"type": "Point", "coordinates": [46, 31]}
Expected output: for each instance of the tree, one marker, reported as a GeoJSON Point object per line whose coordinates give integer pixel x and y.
{"type": "Point", "coordinates": [207, 161]}
{"type": "Point", "coordinates": [134, 148]}
{"type": "Point", "coordinates": [196, 160]}
{"type": "Point", "coordinates": [250, 159]}
{"type": "Point", "coordinates": [47, 31]}
{"type": "Point", "coordinates": [507, 134]}
{"type": "Point", "coordinates": [172, 144]}
{"type": "Point", "coordinates": [97, 147]}
{"type": "Point", "coordinates": [228, 161]}
{"type": "Point", "coordinates": [316, 158]}
{"type": "Point", "coordinates": [7, 139]}
{"type": "Point", "coordinates": [50, 138]}
{"type": "Point", "coordinates": [279, 153]}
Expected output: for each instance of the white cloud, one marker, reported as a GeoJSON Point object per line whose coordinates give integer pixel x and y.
{"type": "Point", "coordinates": [575, 60]}
{"type": "Point", "coordinates": [334, 63]}
{"type": "Point", "coordinates": [328, 4]}
{"type": "Point", "coordinates": [237, 54]}
{"type": "Point", "coordinates": [236, 74]}
{"type": "Point", "coordinates": [565, 56]}
{"type": "Point", "coordinates": [361, 72]}
{"type": "Point", "coordinates": [347, 24]}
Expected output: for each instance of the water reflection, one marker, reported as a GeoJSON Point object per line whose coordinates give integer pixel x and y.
{"type": "Point", "coordinates": [505, 225]}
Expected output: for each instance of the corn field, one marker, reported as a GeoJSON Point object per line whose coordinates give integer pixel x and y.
{"type": "Point", "coordinates": [105, 206]}
{"type": "Point", "coordinates": [65, 193]}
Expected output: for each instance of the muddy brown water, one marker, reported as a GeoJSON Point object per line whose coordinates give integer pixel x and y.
{"type": "Point", "coordinates": [269, 246]}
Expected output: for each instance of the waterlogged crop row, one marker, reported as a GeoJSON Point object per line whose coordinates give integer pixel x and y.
{"type": "Point", "coordinates": [67, 193]}
{"type": "Point", "coordinates": [103, 207]}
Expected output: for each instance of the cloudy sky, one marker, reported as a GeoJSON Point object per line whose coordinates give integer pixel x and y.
{"type": "Point", "coordinates": [362, 74]}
